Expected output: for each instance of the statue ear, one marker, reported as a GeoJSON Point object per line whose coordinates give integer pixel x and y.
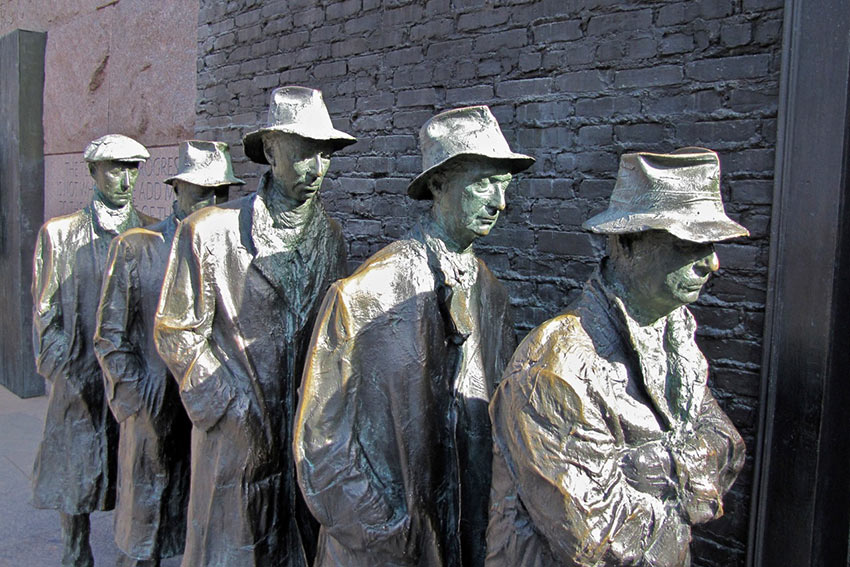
{"type": "Point", "coordinates": [92, 167]}
{"type": "Point", "coordinates": [435, 183]}
{"type": "Point", "coordinates": [268, 154]}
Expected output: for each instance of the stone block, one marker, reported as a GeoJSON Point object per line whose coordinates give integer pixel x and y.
{"type": "Point", "coordinates": [21, 202]}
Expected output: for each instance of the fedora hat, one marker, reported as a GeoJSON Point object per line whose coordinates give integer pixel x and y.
{"type": "Point", "coordinates": [300, 111]}
{"type": "Point", "coordinates": [204, 163]}
{"type": "Point", "coordinates": [115, 147]}
{"type": "Point", "coordinates": [677, 192]}
{"type": "Point", "coordinates": [463, 132]}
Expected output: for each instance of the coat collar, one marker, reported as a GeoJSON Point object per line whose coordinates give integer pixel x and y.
{"type": "Point", "coordinates": [267, 242]}
{"type": "Point", "coordinates": [459, 269]}
{"type": "Point", "coordinates": [106, 219]}
{"type": "Point", "coordinates": [673, 370]}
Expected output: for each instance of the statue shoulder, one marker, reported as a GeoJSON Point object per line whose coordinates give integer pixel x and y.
{"type": "Point", "coordinates": [58, 228]}
{"type": "Point", "coordinates": [216, 218]}
{"type": "Point", "coordinates": [397, 271]}
{"type": "Point", "coordinates": [136, 238]}
{"type": "Point", "coordinates": [562, 348]}
{"type": "Point", "coordinates": [146, 220]}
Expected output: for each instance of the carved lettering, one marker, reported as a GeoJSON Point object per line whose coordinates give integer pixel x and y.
{"type": "Point", "coordinates": [68, 185]}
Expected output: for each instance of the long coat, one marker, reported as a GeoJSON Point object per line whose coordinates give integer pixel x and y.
{"type": "Point", "coordinates": [233, 323]}
{"type": "Point", "coordinates": [74, 470]}
{"type": "Point", "coordinates": [608, 442]}
{"type": "Point", "coordinates": [153, 452]}
{"type": "Point", "coordinates": [392, 440]}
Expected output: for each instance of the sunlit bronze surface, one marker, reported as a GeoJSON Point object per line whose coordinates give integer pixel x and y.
{"type": "Point", "coordinates": [392, 440]}
{"type": "Point", "coordinates": [153, 486]}
{"type": "Point", "coordinates": [243, 284]}
{"type": "Point", "coordinates": [608, 443]}
{"type": "Point", "coordinates": [74, 470]}
{"type": "Point", "coordinates": [153, 459]}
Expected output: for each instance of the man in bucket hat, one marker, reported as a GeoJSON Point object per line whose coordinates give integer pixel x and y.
{"type": "Point", "coordinates": [153, 459]}
{"type": "Point", "coordinates": [241, 290]}
{"type": "Point", "coordinates": [392, 437]}
{"type": "Point", "coordinates": [608, 442]}
{"type": "Point", "coordinates": [75, 466]}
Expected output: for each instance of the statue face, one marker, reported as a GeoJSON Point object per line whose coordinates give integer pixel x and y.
{"type": "Point", "coordinates": [191, 197]}
{"type": "Point", "coordinates": [115, 180]}
{"type": "Point", "coordinates": [669, 272]}
{"type": "Point", "coordinates": [299, 165]}
{"type": "Point", "coordinates": [469, 199]}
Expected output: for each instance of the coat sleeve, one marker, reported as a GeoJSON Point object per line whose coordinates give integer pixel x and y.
{"type": "Point", "coordinates": [565, 462]}
{"type": "Point", "coordinates": [334, 472]}
{"type": "Point", "coordinates": [50, 342]}
{"type": "Point", "coordinates": [183, 330]}
{"type": "Point", "coordinates": [708, 461]}
{"type": "Point", "coordinates": [119, 357]}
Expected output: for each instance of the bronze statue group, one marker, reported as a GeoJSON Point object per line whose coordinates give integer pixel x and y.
{"type": "Point", "coordinates": [219, 381]}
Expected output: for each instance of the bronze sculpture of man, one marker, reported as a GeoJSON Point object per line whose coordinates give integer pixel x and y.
{"type": "Point", "coordinates": [392, 438]}
{"type": "Point", "coordinates": [241, 290]}
{"type": "Point", "coordinates": [75, 467]}
{"type": "Point", "coordinates": [608, 444]}
{"type": "Point", "coordinates": [153, 458]}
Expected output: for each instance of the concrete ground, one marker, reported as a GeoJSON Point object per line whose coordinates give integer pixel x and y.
{"type": "Point", "coordinates": [30, 537]}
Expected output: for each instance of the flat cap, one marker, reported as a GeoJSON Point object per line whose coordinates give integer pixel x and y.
{"type": "Point", "coordinates": [115, 147]}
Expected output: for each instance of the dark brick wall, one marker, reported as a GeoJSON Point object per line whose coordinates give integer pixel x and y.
{"type": "Point", "coordinates": [574, 83]}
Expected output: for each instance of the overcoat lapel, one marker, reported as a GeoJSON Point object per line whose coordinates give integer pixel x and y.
{"type": "Point", "coordinates": [258, 265]}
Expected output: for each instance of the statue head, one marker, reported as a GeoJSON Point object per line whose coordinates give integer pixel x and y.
{"type": "Point", "coordinates": [297, 141]}
{"type": "Point", "coordinates": [664, 216]}
{"type": "Point", "coordinates": [298, 165]}
{"type": "Point", "coordinates": [467, 165]}
{"type": "Point", "coordinates": [113, 162]}
{"type": "Point", "coordinates": [468, 196]}
{"type": "Point", "coordinates": [204, 171]}
{"type": "Point", "coordinates": [658, 272]}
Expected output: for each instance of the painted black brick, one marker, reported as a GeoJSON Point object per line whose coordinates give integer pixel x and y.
{"type": "Point", "coordinates": [573, 83]}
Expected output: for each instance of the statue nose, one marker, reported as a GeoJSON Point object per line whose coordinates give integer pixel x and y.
{"type": "Point", "coordinates": [708, 264]}
{"type": "Point", "coordinates": [498, 201]}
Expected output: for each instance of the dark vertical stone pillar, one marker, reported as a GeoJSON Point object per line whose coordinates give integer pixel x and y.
{"type": "Point", "coordinates": [801, 510]}
{"type": "Point", "coordinates": [21, 202]}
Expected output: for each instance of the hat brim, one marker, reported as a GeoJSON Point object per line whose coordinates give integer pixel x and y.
{"type": "Point", "coordinates": [203, 181]}
{"type": "Point", "coordinates": [253, 141]}
{"type": "Point", "coordinates": [513, 162]}
{"type": "Point", "coordinates": [704, 230]}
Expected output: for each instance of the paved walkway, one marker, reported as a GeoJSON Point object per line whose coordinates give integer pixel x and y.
{"type": "Point", "coordinates": [30, 537]}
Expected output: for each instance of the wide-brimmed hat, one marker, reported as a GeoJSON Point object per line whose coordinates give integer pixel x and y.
{"type": "Point", "coordinates": [677, 192]}
{"type": "Point", "coordinates": [205, 163]}
{"type": "Point", "coordinates": [300, 111]}
{"type": "Point", "coordinates": [462, 132]}
{"type": "Point", "coordinates": [115, 147]}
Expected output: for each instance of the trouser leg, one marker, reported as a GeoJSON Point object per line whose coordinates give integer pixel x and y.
{"type": "Point", "coordinates": [75, 540]}
{"type": "Point", "coordinates": [127, 561]}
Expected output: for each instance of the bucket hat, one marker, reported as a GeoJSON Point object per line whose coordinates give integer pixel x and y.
{"type": "Point", "coordinates": [300, 111]}
{"type": "Point", "coordinates": [205, 163]}
{"type": "Point", "coordinates": [462, 132]}
{"type": "Point", "coordinates": [115, 147]}
{"type": "Point", "coordinates": [677, 192]}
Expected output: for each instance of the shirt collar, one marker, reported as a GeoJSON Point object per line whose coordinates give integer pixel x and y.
{"type": "Point", "coordinates": [459, 268]}
{"type": "Point", "coordinates": [112, 220]}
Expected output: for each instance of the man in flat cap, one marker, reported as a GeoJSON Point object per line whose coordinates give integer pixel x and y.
{"type": "Point", "coordinates": [153, 457]}
{"type": "Point", "coordinates": [392, 437]}
{"type": "Point", "coordinates": [75, 466]}
{"type": "Point", "coordinates": [241, 290]}
{"type": "Point", "coordinates": [608, 443]}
